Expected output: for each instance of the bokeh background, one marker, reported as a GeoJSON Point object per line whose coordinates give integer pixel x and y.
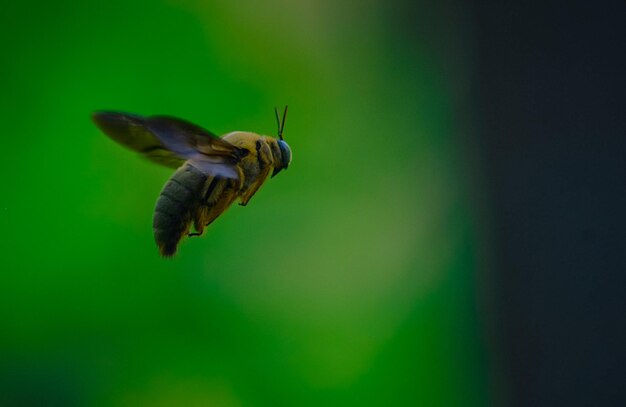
{"type": "Point", "coordinates": [364, 275]}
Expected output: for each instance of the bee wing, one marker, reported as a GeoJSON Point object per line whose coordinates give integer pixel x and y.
{"type": "Point", "coordinates": [170, 141]}
{"type": "Point", "coordinates": [205, 151]}
{"type": "Point", "coordinates": [130, 131]}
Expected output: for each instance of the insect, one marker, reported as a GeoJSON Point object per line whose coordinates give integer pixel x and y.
{"type": "Point", "coordinates": [212, 172]}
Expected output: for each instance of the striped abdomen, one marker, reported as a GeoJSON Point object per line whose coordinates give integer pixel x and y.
{"type": "Point", "coordinates": [189, 196]}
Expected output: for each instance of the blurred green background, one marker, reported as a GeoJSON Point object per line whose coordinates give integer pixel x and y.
{"type": "Point", "coordinates": [350, 279]}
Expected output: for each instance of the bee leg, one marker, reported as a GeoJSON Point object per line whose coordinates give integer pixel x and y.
{"type": "Point", "coordinates": [247, 195]}
{"type": "Point", "coordinates": [245, 198]}
{"type": "Point", "coordinates": [198, 221]}
{"type": "Point", "coordinates": [264, 161]}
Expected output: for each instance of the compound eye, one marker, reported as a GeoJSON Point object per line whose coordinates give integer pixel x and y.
{"type": "Point", "coordinates": [285, 153]}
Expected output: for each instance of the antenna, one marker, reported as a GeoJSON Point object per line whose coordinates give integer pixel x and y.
{"type": "Point", "coordinates": [281, 126]}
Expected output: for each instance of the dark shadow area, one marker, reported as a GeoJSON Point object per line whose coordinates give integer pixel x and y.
{"type": "Point", "coordinates": [551, 129]}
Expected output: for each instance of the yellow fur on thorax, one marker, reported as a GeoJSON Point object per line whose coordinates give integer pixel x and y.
{"type": "Point", "coordinates": [255, 167]}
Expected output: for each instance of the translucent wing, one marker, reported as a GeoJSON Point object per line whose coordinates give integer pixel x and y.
{"type": "Point", "coordinates": [170, 141]}
{"type": "Point", "coordinates": [207, 152]}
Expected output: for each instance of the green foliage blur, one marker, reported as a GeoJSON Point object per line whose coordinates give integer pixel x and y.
{"type": "Point", "coordinates": [348, 280]}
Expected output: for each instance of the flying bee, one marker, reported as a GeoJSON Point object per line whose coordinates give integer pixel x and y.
{"type": "Point", "coordinates": [212, 172]}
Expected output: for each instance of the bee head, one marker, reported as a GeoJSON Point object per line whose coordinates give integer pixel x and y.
{"type": "Point", "coordinates": [285, 151]}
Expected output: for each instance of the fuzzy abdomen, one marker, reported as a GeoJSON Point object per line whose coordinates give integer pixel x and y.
{"type": "Point", "coordinates": [176, 207]}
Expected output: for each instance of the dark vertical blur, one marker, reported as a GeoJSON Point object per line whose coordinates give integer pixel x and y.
{"type": "Point", "coordinates": [549, 103]}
